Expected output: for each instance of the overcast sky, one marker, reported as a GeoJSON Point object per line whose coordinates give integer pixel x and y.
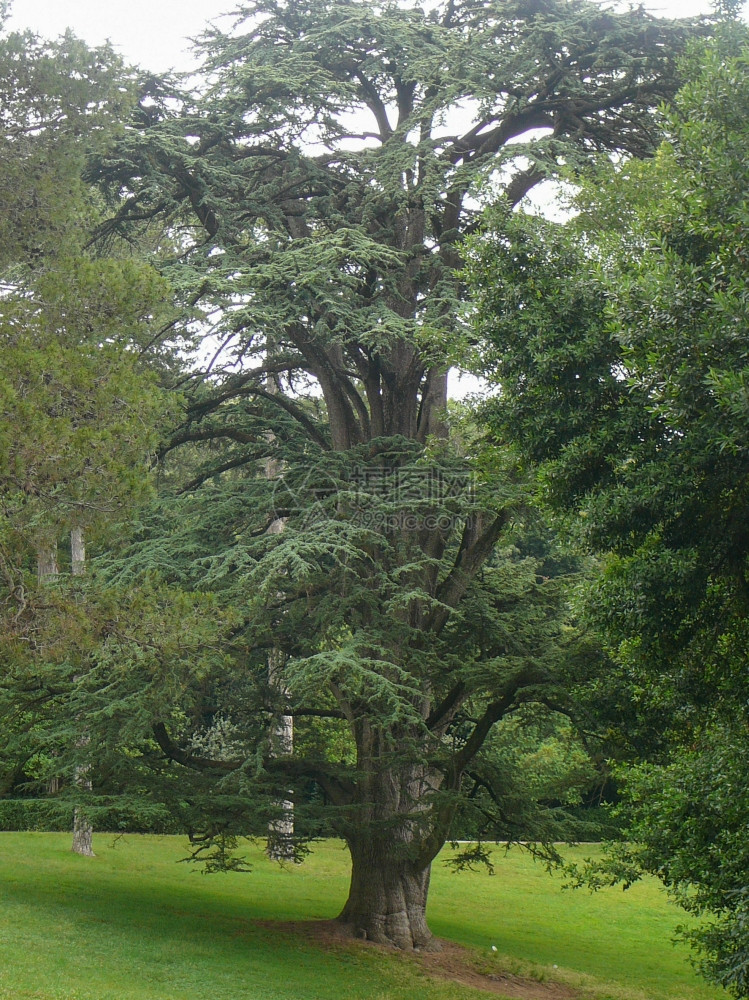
{"type": "Point", "coordinates": [154, 33]}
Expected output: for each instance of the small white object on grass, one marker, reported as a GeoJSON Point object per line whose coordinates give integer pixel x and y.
{"type": "Point", "coordinates": [555, 967]}
{"type": "Point", "coordinates": [494, 947]}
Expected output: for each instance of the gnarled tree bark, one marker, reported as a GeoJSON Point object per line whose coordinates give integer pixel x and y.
{"type": "Point", "coordinates": [387, 895]}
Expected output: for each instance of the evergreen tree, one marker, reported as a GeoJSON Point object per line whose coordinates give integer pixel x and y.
{"type": "Point", "coordinates": [317, 189]}
{"type": "Point", "coordinates": [80, 393]}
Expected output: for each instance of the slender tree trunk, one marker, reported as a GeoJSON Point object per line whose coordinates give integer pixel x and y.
{"type": "Point", "coordinates": [47, 569]}
{"type": "Point", "coordinates": [83, 830]}
{"type": "Point", "coordinates": [281, 832]}
{"type": "Point", "coordinates": [77, 552]}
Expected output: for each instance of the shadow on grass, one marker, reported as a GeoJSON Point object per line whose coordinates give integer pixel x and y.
{"type": "Point", "coordinates": [122, 931]}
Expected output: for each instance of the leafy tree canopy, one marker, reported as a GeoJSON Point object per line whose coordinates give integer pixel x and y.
{"type": "Point", "coordinates": [81, 384]}
{"type": "Point", "coordinates": [73, 396]}
{"type": "Point", "coordinates": [309, 200]}
{"type": "Point", "coordinates": [56, 101]}
{"type": "Point", "coordinates": [324, 175]}
{"type": "Point", "coordinates": [624, 382]}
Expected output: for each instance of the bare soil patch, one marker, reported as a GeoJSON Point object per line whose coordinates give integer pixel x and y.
{"type": "Point", "coordinates": [460, 965]}
{"type": "Point", "coordinates": [454, 962]}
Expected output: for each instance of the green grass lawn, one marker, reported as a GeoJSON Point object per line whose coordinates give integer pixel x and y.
{"type": "Point", "coordinates": [134, 925]}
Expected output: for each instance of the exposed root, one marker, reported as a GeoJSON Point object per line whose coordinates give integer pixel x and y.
{"type": "Point", "coordinates": [389, 935]}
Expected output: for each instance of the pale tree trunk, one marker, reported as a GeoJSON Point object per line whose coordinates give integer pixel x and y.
{"type": "Point", "coordinates": [47, 570]}
{"type": "Point", "coordinates": [77, 552]}
{"type": "Point", "coordinates": [280, 833]}
{"type": "Point", "coordinates": [83, 831]}
{"type": "Point", "coordinates": [46, 561]}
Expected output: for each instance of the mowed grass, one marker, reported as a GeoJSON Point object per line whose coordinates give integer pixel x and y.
{"type": "Point", "coordinates": [132, 924]}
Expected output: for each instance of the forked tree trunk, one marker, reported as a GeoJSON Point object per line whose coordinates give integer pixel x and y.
{"type": "Point", "coordinates": [83, 831]}
{"type": "Point", "coordinates": [387, 897]}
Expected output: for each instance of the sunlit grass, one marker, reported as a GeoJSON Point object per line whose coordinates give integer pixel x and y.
{"type": "Point", "coordinates": [132, 924]}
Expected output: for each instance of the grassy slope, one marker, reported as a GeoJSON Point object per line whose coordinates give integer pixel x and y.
{"type": "Point", "coordinates": [133, 925]}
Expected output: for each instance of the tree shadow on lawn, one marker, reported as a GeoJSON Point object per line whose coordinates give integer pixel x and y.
{"type": "Point", "coordinates": [188, 931]}
{"type": "Point", "coordinates": [173, 937]}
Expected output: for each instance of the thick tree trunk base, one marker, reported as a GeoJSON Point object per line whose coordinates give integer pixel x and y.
{"type": "Point", "coordinates": [387, 902]}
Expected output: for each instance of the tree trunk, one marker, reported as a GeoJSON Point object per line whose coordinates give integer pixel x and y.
{"type": "Point", "coordinates": [279, 845]}
{"type": "Point", "coordinates": [393, 839]}
{"type": "Point", "coordinates": [77, 552]}
{"type": "Point", "coordinates": [46, 561]}
{"type": "Point", "coordinates": [387, 897]}
{"type": "Point", "coordinates": [47, 570]}
{"type": "Point", "coordinates": [83, 831]}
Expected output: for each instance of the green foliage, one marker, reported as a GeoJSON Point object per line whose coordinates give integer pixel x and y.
{"type": "Point", "coordinates": [318, 189]}
{"type": "Point", "coordinates": [528, 781]}
{"type": "Point", "coordinates": [321, 549]}
{"type": "Point", "coordinates": [337, 592]}
{"type": "Point", "coordinates": [51, 814]}
{"type": "Point", "coordinates": [621, 389]}
{"type": "Point", "coordinates": [82, 395]}
{"type": "Point", "coordinates": [620, 343]}
{"type": "Point", "coordinates": [57, 101]}
{"type": "Point", "coordinates": [80, 409]}
{"type": "Point", "coordinates": [691, 818]}
{"type": "Point", "coordinates": [687, 821]}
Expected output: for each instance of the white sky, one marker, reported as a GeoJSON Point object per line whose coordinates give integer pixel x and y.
{"type": "Point", "coordinates": [151, 33]}
{"type": "Point", "coordinates": [154, 33]}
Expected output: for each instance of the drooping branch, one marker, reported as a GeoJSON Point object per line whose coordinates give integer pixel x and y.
{"type": "Point", "coordinates": [216, 470]}
{"type": "Point", "coordinates": [179, 756]}
{"type": "Point", "coordinates": [314, 713]}
{"type": "Point", "coordinates": [246, 387]}
{"type": "Point", "coordinates": [496, 710]}
{"type": "Point", "coordinates": [338, 788]}
{"type": "Point", "coordinates": [194, 435]}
